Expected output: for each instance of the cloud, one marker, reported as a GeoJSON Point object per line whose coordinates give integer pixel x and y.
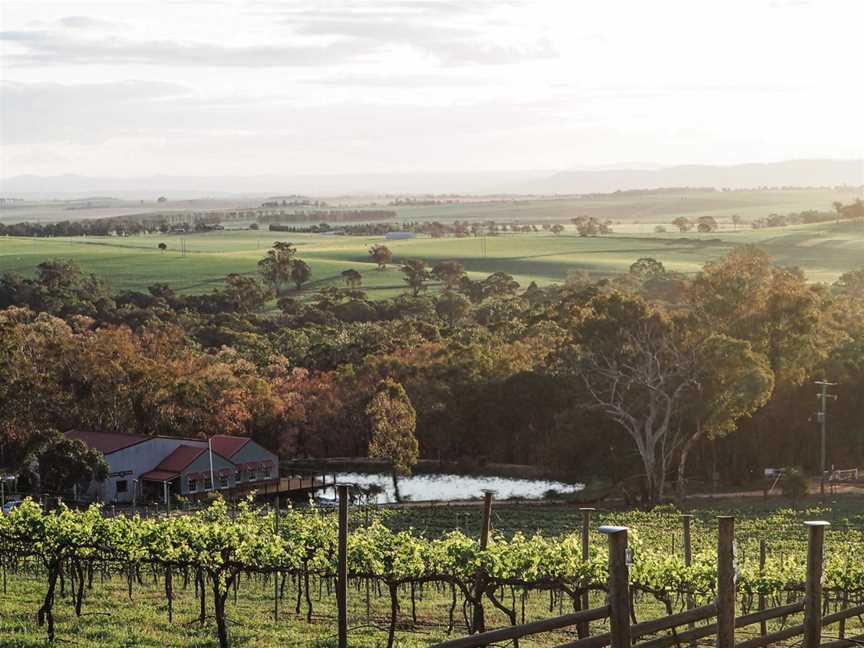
{"type": "Point", "coordinates": [91, 114]}
{"type": "Point", "coordinates": [89, 23]}
{"type": "Point", "coordinates": [344, 32]}
{"type": "Point", "coordinates": [456, 33]}
{"type": "Point", "coordinates": [48, 47]}
{"type": "Point", "coordinates": [391, 8]}
{"type": "Point", "coordinates": [453, 45]}
{"type": "Point", "coordinates": [399, 81]}
{"type": "Point", "coordinates": [40, 112]}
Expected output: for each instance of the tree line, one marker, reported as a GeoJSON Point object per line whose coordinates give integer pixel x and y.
{"type": "Point", "coordinates": [643, 379]}
{"type": "Point", "coordinates": [334, 215]}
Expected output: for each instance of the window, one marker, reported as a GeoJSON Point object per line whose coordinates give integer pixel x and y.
{"type": "Point", "coordinates": [251, 474]}
{"type": "Point", "coordinates": [266, 472]}
{"type": "Point", "coordinates": [238, 476]}
{"type": "Point", "coordinates": [223, 481]}
{"type": "Point", "coordinates": [193, 485]}
{"type": "Point", "coordinates": [122, 486]}
{"type": "Point", "coordinates": [208, 484]}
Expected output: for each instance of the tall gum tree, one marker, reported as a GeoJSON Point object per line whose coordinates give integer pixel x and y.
{"type": "Point", "coordinates": [731, 382]}
{"type": "Point", "coordinates": [393, 422]}
{"type": "Point", "coordinates": [638, 373]}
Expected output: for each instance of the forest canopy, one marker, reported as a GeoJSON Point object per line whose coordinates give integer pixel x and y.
{"type": "Point", "coordinates": [652, 375]}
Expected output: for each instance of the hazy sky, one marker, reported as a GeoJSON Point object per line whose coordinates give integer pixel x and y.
{"type": "Point", "coordinates": [190, 87]}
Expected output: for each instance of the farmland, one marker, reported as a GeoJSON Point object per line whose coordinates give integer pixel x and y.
{"type": "Point", "coordinates": [823, 250]}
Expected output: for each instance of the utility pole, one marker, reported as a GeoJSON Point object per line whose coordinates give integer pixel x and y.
{"type": "Point", "coordinates": [821, 417]}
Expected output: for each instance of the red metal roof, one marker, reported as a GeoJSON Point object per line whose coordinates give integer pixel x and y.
{"type": "Point", "coordinates": [106, 442]}
{"type": "Point", "coordinates": [227, 446]}
{"type": "Point", "coordinates": [182, 456]}
{"type": "Point", "coordinates": [160, 475]}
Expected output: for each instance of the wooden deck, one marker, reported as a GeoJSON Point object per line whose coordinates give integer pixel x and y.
{"type": "Point", "coordinates": [285, 486]}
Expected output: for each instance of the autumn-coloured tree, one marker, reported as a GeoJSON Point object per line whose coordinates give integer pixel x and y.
{"type": "Point", "coordinates": [683, 224]}
{"type": "Point", "coordinates": [393, 421]}
{"type": "Point", "coordinates": [449, 273]}
{"type": "Point", "coordinates": [706, 224]}
{"type": "Point", "coordinates": [381, 255]}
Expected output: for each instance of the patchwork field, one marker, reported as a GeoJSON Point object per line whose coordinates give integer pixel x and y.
{"type": "Point", "coordinates": [823, 250]}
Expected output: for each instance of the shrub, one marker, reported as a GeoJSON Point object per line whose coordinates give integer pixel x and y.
{"type": "Point", "coordinates": [794, 484]}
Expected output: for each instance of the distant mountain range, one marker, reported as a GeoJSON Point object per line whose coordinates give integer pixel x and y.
{"type": "Point", "coordinates": [793, 173]}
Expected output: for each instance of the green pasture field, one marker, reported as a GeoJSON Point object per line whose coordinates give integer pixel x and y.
{"type": "Point", "coordinates": [823, 250]}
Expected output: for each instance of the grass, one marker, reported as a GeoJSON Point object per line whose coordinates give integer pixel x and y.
{"type": "Point", "coordinates": [110, 619]}
{"type": "Point", "coordinates": [823, 250]}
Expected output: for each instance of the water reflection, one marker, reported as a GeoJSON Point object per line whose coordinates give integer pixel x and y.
{"type": "Point", "coordinates": [446, 487]}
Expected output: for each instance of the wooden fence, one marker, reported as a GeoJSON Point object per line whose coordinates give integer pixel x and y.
{"type": "Point", "coordinates": [719, 618]}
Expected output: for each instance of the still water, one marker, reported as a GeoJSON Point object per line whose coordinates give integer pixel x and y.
{"type": "Point", "coordinates": [443, 486]}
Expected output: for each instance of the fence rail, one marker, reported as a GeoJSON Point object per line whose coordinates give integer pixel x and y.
{"type": "Point", "coordinates": [625, 633]}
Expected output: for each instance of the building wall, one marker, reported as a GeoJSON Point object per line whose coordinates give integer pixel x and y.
{"type": "Point", "coordinates": [202, 465]}
{"type": "Point", "coordinates": [254, 452]}
{"type": "Point", "coordinates": [130, 463]}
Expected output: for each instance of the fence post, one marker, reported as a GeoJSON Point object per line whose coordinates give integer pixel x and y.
{"type": "Point", "coordinates": [763, 625]}
{"type": "Point", "coordinates": [276, 575]}
{"type": "Point", "coordinates": [342, 568]}
{"type": "Point", "coordinates": [479, 621]}
{"type": "Point", "coordinates": [619, 586]}
{"type": "Point", "coordinates": [726, 582]}
{"type": "Point", "coordinates": [688, 559]}
{"type": "Point", "coordinates": [584, 629]}
{"type": "Point", "coordinates": [487, 518]}
{"type": "Point", "coordinates": [813, 595]}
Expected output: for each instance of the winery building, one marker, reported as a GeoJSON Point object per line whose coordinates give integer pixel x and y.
{"type": "Point", "coordinates": [150, 467]}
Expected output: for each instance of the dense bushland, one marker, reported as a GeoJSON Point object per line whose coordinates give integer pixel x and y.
{"type": "Point", "coordinates": [622, 378]}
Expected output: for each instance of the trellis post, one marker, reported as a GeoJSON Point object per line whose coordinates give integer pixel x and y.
{"type": "Point", "coordinates": [583, 629]}
{"type": "Point", "coordinates": [479, 620]}
{"type": "Point", "coordinates": [342, 568]}
{"type": "Point", "coordinates": [619, 586]}
{"type": "Point", "coordinates": [763, 625]}
{"type": "Point", "coordinates": [813, 587]}
{"type": "Point", "coordinates": [276, 574]}
{"type": "Point", "coordinates": [688, 559]}
{"type": "Point", "coordinates": [726, 582]}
